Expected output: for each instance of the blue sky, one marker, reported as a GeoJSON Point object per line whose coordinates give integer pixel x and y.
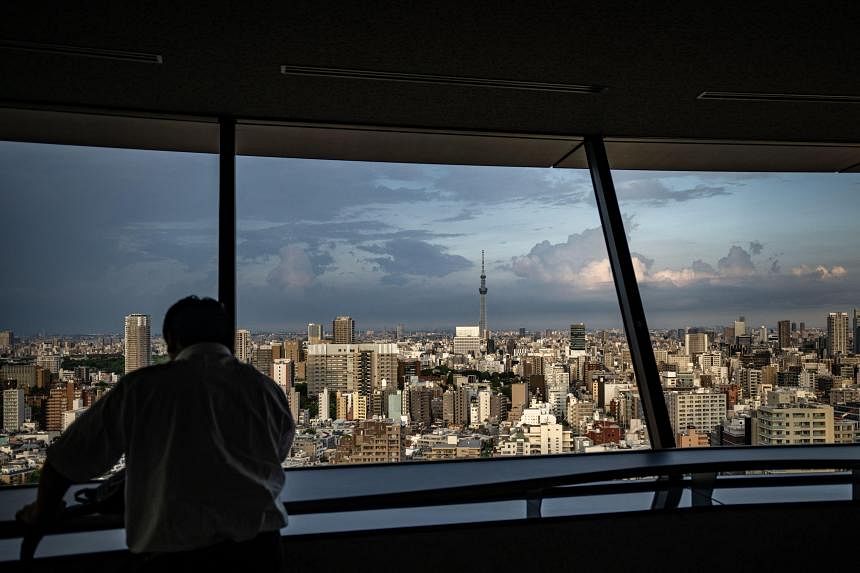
{"type": "Point", "coordinates": [92, 234]}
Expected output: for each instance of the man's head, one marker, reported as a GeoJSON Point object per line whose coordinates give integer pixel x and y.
{"type": "Point", "coordinates": [192, 320]}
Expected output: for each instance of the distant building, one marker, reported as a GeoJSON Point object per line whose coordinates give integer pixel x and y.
{"type": "Point", "coordinates": [577, 339]}
{"type": "Point", "coordinates": [7, 340]}
{"type": "Point", "coordinates": [696, 343]}
{"type": "Point", "coordinates": [467, 340]}
{"type": "Point", "coordinates": [50, 362]}
{"type": "Point", "coordinates": [343, 328]}
{"type": "Point", "coordinates": [323, 408]}
{"type": "Point", "coordinates": [14, 409]}
{"type": "Point", "coordinates": [372, 441]}
{"type": "Point", "coordinates": [693, 438]}
{"type": "Point", "coordinates": [261, 359]}
{"type": "Point", "coordinates": [243, 345]}
{"type": "Point", "coordinates": [138, 342]}
{"type": "Point", "coordinates": [837, 333]}
{"type": "Point", "coordinates": [791, 424]}
{"type": "Point", "coordinates": [284, 373]}
{"type": "Point", "coordinates": [784, 333]}
{"type": "Point", "coordinates": [350, 367]}
{"type": "Point", "coordinates": [855, 330]}
{"type": "Point", "coordinates": [700, 409]}
{"type": "Point", "coordinates": [315, 333]}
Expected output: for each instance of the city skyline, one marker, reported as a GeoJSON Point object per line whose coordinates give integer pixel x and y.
{"type": "Point", "coordinates": [398, 243]}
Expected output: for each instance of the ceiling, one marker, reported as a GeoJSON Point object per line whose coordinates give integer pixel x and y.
{"type": "Point", "coordinates": [652, 58]}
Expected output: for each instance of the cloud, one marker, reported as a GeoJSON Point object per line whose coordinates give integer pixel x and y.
{"type": "Point", "coordinates": [820, 272]}
{"type": "Point", "coordinates": [655, 192]}
{"type": "Point", "coordinates": [580, 262]}
{"type": "Point", "coordinates": [295, 269]}
{"type": "Point", "coordinates": [462, 216]}
{"type": "Point", "coordinates": [756, 247]}
{"type": "Point", "coordinates": [401, 258]}
{"type": "Point", "coordinates": [737, 263]}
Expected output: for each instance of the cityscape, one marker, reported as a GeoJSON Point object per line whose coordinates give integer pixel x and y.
{"type": "Point", "coordinates": [405, 395]}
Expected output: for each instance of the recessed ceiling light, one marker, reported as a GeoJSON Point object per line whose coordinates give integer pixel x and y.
{"type": "Point", "coordinates": [752, 96]}
{"type": "Point", "coordinates": [61, 50]}
{"type": "Point", "coordinates": [289, 70]}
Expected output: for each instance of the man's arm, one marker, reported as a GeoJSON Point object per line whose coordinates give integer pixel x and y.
{"type": "Point", "coordinates": [87, 449]}
{"type": "Point", "coordinates": [49, 499]}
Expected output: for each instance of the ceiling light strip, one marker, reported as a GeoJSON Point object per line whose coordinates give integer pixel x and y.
{"type": "Point", "coordinates": [776, 97]}
{"type": "Point", "coordinates": [79, 51]}
{"type": "Point", "coordinates": [344, 73]}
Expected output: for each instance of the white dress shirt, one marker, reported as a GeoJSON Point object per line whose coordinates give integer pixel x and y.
{"type": "Point", "coordinates": [204, 437]}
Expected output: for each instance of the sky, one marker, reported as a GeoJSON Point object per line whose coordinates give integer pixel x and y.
{"type": "Point", "coordinates": [93, 234]}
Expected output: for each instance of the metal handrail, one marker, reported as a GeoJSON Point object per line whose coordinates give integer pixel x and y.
{"type": "Point", "coordinates": [385, 486]}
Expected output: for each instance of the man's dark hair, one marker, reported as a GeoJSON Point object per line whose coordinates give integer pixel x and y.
{"type": "Point", "coordinates": [192, 320]}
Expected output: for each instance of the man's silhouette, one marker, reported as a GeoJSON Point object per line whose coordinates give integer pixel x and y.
{"type": "Point", "coordinates": [203, 435]}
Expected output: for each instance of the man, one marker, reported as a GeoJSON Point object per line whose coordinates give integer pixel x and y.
{"type": "Point", "coordinates": [203, 435]}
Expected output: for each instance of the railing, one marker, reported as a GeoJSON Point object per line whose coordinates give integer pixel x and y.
{"type": "Point", "coordinates": [420, 484]}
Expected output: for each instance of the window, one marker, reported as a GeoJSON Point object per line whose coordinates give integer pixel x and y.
{"type": "Point", "coordinates": [98, 242]}
{"type": "Point", "coordinates": [363, 281]}
{"type": "Point", "coordinates": [749, 284]}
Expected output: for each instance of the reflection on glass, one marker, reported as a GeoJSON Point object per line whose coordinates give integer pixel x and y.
{"type": "Point", "coordinates": [749, 282]}
{"type": "Point", "coordinates": [430, 312]}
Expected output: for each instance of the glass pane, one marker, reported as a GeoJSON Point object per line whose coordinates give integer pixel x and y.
{"type": "Point", "coordinates": [749, 282]}
{"type": "Point", "coordinates": [98, 244]}
{"type": "Point", "coordinates": [360, 293]}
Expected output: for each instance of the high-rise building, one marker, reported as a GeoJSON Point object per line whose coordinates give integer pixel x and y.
{"type": "Point", "coordinates": [138, 345]}
{"type": "Point", "coordinates": [7, 339]}
{"type": "Point", "coordinates": [323, 405]}
{"type": "Point", "coordinates": [243, 345]}
{"type": "Point", "coordinates": [54, 409]}
{"type": "Point", "coordinates": [700, 409]}
{"type": "Point", "coordinates": [855, 330]}
{"type": "Point", "coordinates": [482, 290]}
{"type": "Point", "coordinates": [50, 362]}
{"type": "Point", "coordinates": [373, 441]}
{"type": "Point", "coordinates": [277, 351]}
{"type": "Point", "coordinates": [783, 424]}
{"type": "Point", "coordinates": [343, 328]}
{"type": "Point", "coordinates": [837, 333]}
{"type": "Point", "coordinates": [696, 343]}
{"type": "Point", "coordinates": [284, 373]}
{"type": "Point", "coordinates": [261, 359]}
{"type": "Point", "coordinates": [350, 367]}
{"type": "Point", "coordinates": [315, 333]}
{"type": "Point", "coordinates": [519, 400]}
{"type": "Point", "coordinates": [784, 333]}
{"type": "Point", "coordinates": [577, 339]}
{"type": "Point", "coordinates": [740, 326]}
{"type": "Point", "coordinates": [467, 339]}
{"type": "Point", "coordinates": [14, 409]}
{"type": "Point", "coordinates": [293, 350]}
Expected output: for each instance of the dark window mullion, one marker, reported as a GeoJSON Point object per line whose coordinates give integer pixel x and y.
{"type": "Point", "coordinates": [227, 218]}
{"type": "Point", "coordinates": [632, 311]}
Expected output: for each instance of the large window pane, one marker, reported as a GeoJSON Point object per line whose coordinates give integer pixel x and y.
{"type": "Point", "coordinates": [749, 281]}
{"type": "Point", "coordinates": [91, 237]}
{"type": "Point", "coordinates": [359, 292]}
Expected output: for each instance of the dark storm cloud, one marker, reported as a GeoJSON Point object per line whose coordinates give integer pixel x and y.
{"type": "Point", "coordinates": [756, 247]}
{"type": "Point", "coordinates": [93, 227]}
{"type": "Point", "coordinates": [461, 216]}
{"type": "Point", "coordinates": [655, 192]}
{"type": "Point", "coordinates": [493, 185]}
{"type": "Point", "coordinates": [409, 257]}
{"type": "Point", "coordinates": [293, 190]}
